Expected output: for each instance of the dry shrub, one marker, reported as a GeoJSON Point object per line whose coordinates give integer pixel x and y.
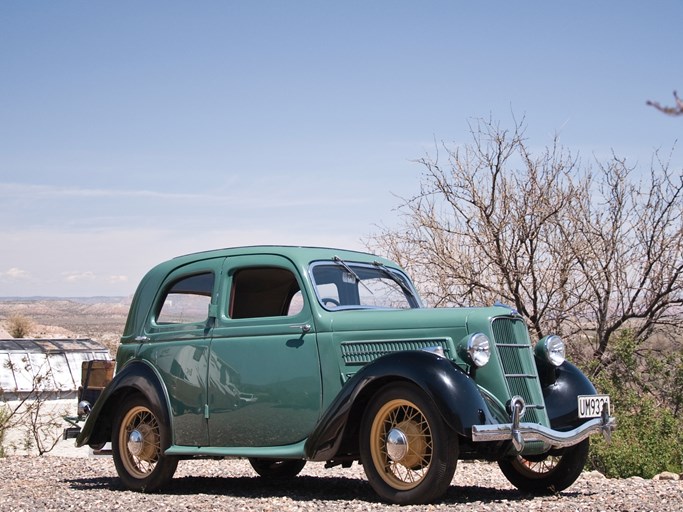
{"type": "Point", "coordinates": [20, 326]}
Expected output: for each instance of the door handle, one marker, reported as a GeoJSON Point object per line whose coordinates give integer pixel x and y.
{"type": "Point", "coordinates": [303, 327]}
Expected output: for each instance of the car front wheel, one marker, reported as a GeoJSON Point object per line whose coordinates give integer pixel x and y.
{"type": "Point", "coordinates": [546, 474]}
{"type": "Point", "coordinates": [408, 453]}
{"type": "Point", "coordinates": [138, 443]}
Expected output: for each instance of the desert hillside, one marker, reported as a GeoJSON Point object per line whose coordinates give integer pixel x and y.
{"type": "Point", "coordinates": [99, 318]}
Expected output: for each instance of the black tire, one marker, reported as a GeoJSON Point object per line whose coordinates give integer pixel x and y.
{"type": "Point", "coordinates": [546, 475]}
{"type": "Point", "coordinates": [425, 450]}
{"type": "Point", "coordinates": [277, 469]}
{"type": "Point", "coordinates": [139, 439]}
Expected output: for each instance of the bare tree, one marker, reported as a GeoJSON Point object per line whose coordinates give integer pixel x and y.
{"type": "Point", "coordinates": [31, 414]}
{"type": "Point", "coordinates": [578, 253]}
{"type": "Point", "coordinates": [672, 111]}
{"type": "Point", "coordinates": [483, 227]}
{"type": "Point", "coordinates": [628, 244]}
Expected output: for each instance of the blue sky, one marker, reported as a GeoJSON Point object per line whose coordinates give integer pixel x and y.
{"type": "Point", "coordinates": [131, 132]}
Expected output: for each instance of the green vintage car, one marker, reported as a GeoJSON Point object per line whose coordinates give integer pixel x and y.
{"type": "Point", "coordinates": [284, 355]}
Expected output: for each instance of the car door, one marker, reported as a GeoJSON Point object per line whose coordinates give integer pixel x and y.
{"type": "Point", "coordinates": [177, 344]}
{"type": "Point", "coordinates": [264, 372]}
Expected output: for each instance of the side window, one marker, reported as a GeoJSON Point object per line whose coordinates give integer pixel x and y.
{"type": "Point", "coordinates": [187, 300]}
{"type": "Point", "coordinates": [264, 291]}
{"type": "Point", "coordinates": [296, 305]}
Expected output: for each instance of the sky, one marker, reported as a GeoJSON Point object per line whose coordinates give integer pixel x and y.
{"type": "Point", "coordinates": [132, 132]}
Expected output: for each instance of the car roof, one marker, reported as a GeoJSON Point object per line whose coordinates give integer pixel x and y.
{"type": "Point", "coordinates": [300, 256]}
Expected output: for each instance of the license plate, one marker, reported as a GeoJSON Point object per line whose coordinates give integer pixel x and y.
{"type": "Point", "coordinates": [590, 406]}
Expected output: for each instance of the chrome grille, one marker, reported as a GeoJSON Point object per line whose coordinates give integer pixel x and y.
{"type": "Point", "coordinates": [517, 359]}
{"type": "Point", "coordinates": [362, 352]}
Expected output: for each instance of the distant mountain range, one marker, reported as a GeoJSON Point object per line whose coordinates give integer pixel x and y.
{"type": "Point", "coordinates": [100, 318]}
{"type": "Point", "coordinates": [82, 300]}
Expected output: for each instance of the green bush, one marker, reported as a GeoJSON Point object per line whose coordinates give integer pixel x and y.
{"type": "Point", "coordinates": [648, 440]}
{"type": "Point", "coordinates": [645, 401]}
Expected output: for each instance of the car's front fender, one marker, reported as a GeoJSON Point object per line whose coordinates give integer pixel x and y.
{"type": "Point", "coordinates": [136, 377]}
{"type": "Point", "coordinates": [453, 392]}
{"type": "Point", "coordinates": [560, 396]}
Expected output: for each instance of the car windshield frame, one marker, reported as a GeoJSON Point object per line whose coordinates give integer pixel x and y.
{"type": "Point", "coordinates": [358, 275]}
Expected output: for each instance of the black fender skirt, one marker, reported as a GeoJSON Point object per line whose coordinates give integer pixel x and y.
{"type": "Point", "coordinates": [453, 392]}
{"type": "Point", "coordinates": [135, 377]}
{"type": "Point", "coordinates": [560, 393]}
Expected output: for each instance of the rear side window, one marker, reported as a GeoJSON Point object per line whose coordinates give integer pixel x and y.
{"type": "Point", "coordinates": [264, 291]}
{"type": "Point", "coordinates": [187, 300]}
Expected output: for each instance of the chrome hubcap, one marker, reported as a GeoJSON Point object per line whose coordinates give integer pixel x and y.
{"type": "Point", "coordinates": [397, 445]}
{"type": "Point", "coordinates": [135, 442]}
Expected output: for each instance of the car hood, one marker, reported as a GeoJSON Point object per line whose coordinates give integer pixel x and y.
{"type": "Point", "coordinates": [408, 319]}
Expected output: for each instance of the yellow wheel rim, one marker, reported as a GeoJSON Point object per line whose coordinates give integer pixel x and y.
{"type": "Point", "coordinates": [139, 442]}
{"type": "Point", "coordinates": [537, 469]}
{"type": "Point", "coordinates": [401, 444]}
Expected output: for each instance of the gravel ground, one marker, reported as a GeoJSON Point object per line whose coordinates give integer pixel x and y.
{"type": "Point", "coordinates": [69, 483]}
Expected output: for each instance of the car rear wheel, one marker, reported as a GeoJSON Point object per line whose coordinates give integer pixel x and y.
{"type": "Point", "coordinates": [138, 444]}
{"type": "Point", "coordinates": [277, 468]}
{"type": "Point", "coordinates": [549, 474]}
{"type": "Point", "coordinates": [409, 454]}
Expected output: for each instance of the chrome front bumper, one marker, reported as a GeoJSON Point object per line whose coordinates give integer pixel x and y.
{"type": "Point", "coordinates": [520, 433]}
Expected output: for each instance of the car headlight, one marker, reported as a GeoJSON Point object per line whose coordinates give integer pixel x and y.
{"type": "Point", "coordinates": [551, 350]}
{"type": "Point", "coordinates": [475, 349]}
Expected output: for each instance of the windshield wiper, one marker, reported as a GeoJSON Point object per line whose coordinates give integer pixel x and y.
{"type": "Point", "coordinates": [395, 278]}
{"type": "Point", "coordinates": [341, 262]}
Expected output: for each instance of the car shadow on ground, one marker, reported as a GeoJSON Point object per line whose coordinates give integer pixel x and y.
{"type": "Point", "coordinates": [302, 488]}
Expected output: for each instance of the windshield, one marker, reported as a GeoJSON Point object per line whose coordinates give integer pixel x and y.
{"type": "Point", "coordinates": [343, 284]}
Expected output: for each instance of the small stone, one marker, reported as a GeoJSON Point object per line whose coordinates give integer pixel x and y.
{"type": "Point", "coordinates": [667, 475]}
{"type": "Point", "coordinates": [595, 475]}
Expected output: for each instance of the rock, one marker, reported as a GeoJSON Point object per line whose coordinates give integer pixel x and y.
{"type": "Point", "coordinates": [594, 475]}
{"type": "Point", "coordinates": [667, 475]}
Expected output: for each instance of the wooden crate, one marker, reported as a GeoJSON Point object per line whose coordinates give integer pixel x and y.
{"type": "Point", "coordinates": [97, 373]}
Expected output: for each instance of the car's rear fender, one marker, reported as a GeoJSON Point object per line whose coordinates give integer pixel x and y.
{"type": "Point", "coordinates": [136, 377]}
{"type": "Point", "coordinates": [453, 392]}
